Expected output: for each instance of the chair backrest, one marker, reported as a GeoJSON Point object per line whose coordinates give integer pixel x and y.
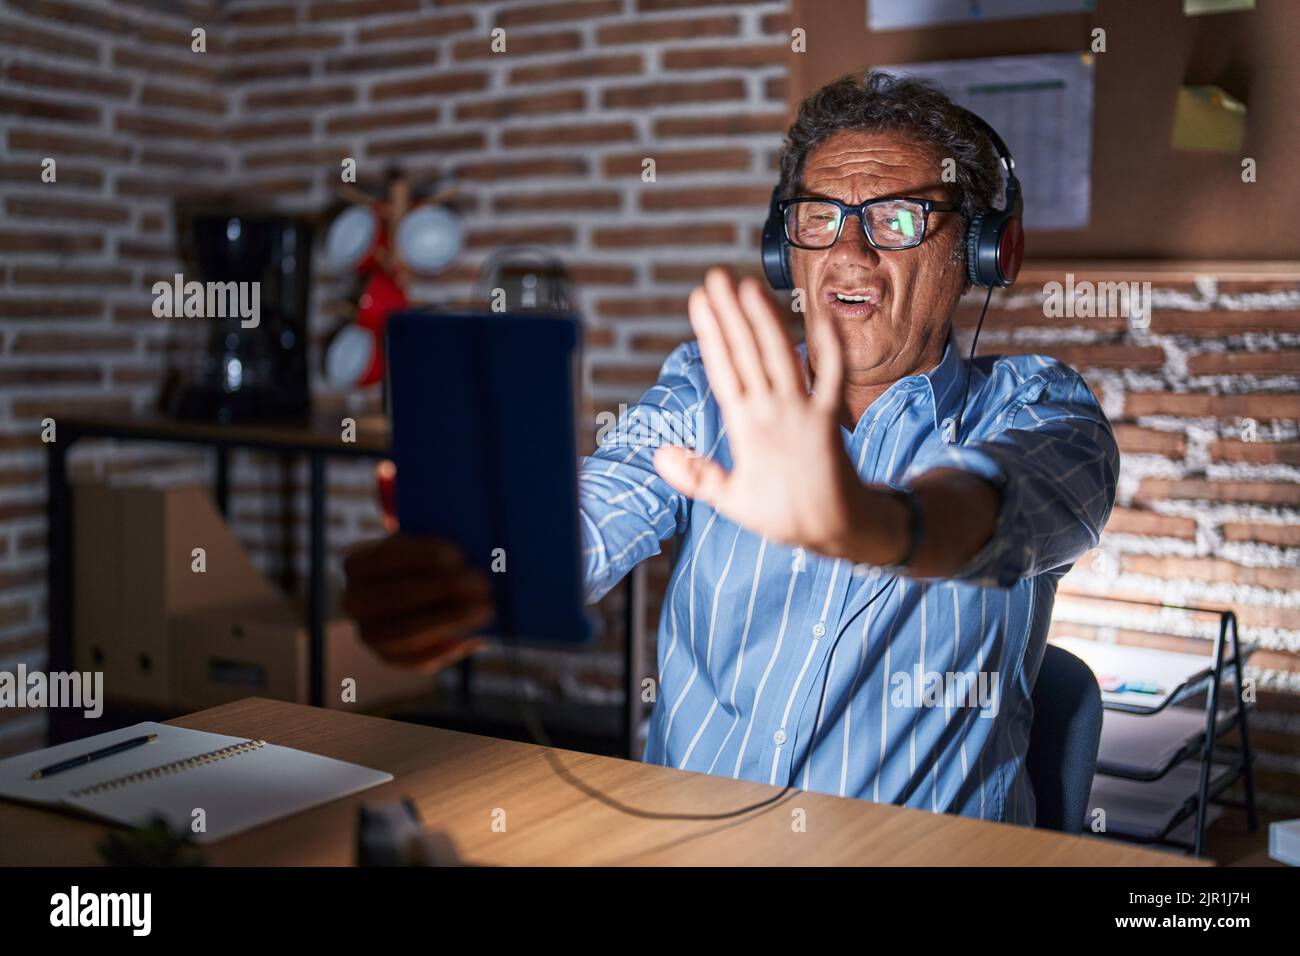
{"type": "Point", "coordinates": [1064, 739]}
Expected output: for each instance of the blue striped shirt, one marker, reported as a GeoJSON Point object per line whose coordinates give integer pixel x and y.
{"type": "Point", "coordinates": [772, 666]}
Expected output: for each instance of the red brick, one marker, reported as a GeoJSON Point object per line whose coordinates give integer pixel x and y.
{"type": "Point", "coordinates": [1281, 535]}
{"type": "Point", "coordinates": [1261, 452]}
{"type": "Point", "coordinates": [181, 99]}
{"type": "Point", "coordinates": [649, 5]}
{"type": "Point", "coordinates": [732, 125]}
{"type": "Point", "coordinates": [481, 47]}
{"type": "Point", "coordinates": [1134, 521]}
{"type": "Point", "coordinates": [76, 209]}
{"type": "Point", "coordinates": [45, 242]}
{"type": "Point", "coordinates": [316, 155]}
{"type": "Point", "coordinates": [715, 57]}
{"type": "Point", "coordinates": [379, 62]}
{"type": "Point", "coordinates": [454, 142]}
{"type": "Point", "coordinates": [641, 377]}
{"type": "Point", "coordinates": [150, 126]}
{"type": "Point", "coordinates": [1088, 356]}
{"type": "Point", "coordinates": [656, 199]}
{"type": "Point", "coordinates": [1221, 324]}
{"type": "Point", "coordinates": [55, 144]}
{"type": "Point", "coordinates": [435, 27]}
{"type": "Point", "coordinates": [27, 37]}
{"type": "Point", "coordinates": [78, 342]}
{"type": "Point", "coordinates": [70, 274]}
{"type": "Point", "coordinates": [681, 161]}
{"type": "Point", "coordinates": [182, 159]}
{"type": "Point", "coordinates": [661, 94]}
{"type": "Point", "coordinates": [425, 85]}
{"type": "Point", "coordinates": [582, 200]}
{"type": "Point", "coordinates": [356, 9]}
{"type": "Point", "coordinates": [66, 81]}
{"type": "Point", "coordinates": [1149, 441]}
{"type": "Point", "coordinates": [311, 96]}
{"type": "Point", "coordinates": [508, 170]}
{"type": "Point", "coordinates": [267, 70]}
{"type": "Point", "coordinates": [281, 42]}
{"type": "Point", "coordinates": [600, 273]}
{"type": "Point", "coordinates": [524, 235]}
{"type": "Point", "coordinates": [260, 130]}
{"type": "Point", "coordinates": [262, 16]}
{"type": "Point", "coordinates": [557, 101]}
{"type": "Point", "coordinates": [29, 172]}
{"type": "Point", "coordinates": [1211, 570]}
{"type": "Point", "coordinates": [584, 134]}
{"type": "Point", "coordinates": [668, 236]}
{"type": "Point", "coordinates": [641, 308]}
{"type": "Point", "coordinates": [1259, 405]}
{"type": "Point", "coordinates": [59, 111]}
{"type": "Point", "coordinates": [372, 120]}
{"type": "Point", "coordinates": [553, 12]}
{"type": "Point", "coordinates": [693, 272]}
{"type": "Point", "coordinates": [1261, 363]}
{"type": "Point", "coordinates": [1258, 492]}
{"type": "Point", "coordinates": [74, 13]}
{"type": "Point", "coordinates": [186, 64]}
{"type": "Point", "coordinates": [594, 66]}
{"type": "Point", "coordinates": [648, 31]}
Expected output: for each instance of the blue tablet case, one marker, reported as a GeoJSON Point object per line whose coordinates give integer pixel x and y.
{"type": "Point", "coordinates": [484, 415]}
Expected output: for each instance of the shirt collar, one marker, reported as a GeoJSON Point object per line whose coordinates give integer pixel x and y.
{"type": "Point", "coordinates": [945, 382]}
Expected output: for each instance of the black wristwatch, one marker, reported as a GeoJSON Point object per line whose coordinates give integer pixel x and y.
{"type": "Point", "coordinates": [915, 525]}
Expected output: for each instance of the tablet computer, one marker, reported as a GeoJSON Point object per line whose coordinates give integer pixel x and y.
{"type": "Point", "coordinates": [484, 415]}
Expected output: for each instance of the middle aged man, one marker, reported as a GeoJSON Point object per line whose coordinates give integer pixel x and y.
{"type": "Point", "coordinates": [793, 648]}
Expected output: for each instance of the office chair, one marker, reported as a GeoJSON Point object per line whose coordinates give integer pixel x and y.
{"type": "Point", "coordinates": [1063, 740]}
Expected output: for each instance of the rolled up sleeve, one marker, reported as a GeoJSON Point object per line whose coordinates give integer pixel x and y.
{"type": "Point", "coordinates": [1052, 454]}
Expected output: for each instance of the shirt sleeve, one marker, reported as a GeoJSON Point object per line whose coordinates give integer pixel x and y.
{"type": "Point", "coordinates": [625, 508]}
{"type": "Point", "coordinates": [1053, 455]}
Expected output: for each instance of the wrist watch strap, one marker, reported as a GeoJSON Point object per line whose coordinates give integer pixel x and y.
{"type": "Point", "coordinates": [915, 525]}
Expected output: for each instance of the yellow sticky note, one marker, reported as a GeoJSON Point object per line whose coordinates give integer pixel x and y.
{"type": "Point", "coordinates": [1208, 118]}
{"type": "Point", "coordinates": [1194, 8]}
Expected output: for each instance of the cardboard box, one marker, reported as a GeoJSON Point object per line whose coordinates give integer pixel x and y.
{"type": "Point", "coordinates": [134, 567]}
{"type": "Point", "coordinates": [260, 648]}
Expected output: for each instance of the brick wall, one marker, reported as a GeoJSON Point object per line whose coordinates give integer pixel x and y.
{"type": "Point", "coordinates": [546, 143]}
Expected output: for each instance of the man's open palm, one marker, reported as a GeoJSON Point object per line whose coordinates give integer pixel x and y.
{"type": "Point", "coordinates": [791, 479]}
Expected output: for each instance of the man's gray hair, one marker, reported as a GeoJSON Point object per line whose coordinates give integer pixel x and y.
{"type": "Point", "coordinates": [883, 102]}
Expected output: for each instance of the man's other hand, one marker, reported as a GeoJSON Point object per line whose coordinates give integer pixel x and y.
{"type": "Point", "coordinates": [415, 600]}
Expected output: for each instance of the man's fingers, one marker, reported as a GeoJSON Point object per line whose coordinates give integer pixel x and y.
{"type": "Point", "coordinates": [718, 365]}
{"type": "Point", "coordinates": [700, 478]}
{"type": "Point", "coordinates": [829, 384]}
{"type": "Point", "coordinates": [779, 356]}
{"type": "Point", "coordinates": [738, 329]}
{"type": "Point", "coordinates": [401, 554]}
{"type": "Point", "coordinates": [421, 633]}
{"type": "Point", "coordinates": [408, 593]}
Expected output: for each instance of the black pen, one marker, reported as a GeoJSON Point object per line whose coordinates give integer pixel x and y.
{"type": "Point", "coordinates": [93, 755]}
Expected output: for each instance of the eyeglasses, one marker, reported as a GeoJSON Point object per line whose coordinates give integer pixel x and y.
{"type": "Point", "coordinates": [893, 223]}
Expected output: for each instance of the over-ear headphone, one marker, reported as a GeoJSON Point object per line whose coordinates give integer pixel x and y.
{"type": "Point", "coordinates": [995, 238]}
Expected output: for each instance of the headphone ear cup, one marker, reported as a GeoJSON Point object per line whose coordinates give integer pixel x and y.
{"type": "Point", "coordinates": [776, 253]}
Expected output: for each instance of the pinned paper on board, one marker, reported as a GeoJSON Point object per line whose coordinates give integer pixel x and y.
{"type": "Point", "coordinates": [1195, 8]}
{"type": "Point", "coordinates": [1206, 118]}
{"type": "Point", "coordinates": [1041, 105]}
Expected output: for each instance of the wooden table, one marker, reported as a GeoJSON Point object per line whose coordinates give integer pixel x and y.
{"type": "Point", "coordinates": [459, 781]}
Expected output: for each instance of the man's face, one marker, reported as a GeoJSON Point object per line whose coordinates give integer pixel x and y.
{"type": "Point", "coordinates": [911, 293]}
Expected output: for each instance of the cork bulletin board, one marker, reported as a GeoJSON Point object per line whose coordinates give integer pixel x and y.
{"type": "Point", "coordinates": [1149, 201]}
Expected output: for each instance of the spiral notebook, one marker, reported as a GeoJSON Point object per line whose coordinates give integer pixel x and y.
{"type": "Point", "coordinates": [238, 783]}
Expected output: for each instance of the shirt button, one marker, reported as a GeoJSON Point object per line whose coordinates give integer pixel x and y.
{"type": "Point", "coordinates": [779, 737]}
{"type": "Point", "coordinates": [819, 630]}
